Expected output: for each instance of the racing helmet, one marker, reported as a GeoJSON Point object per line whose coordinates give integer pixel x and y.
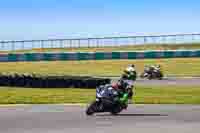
{"type": "Point", "coordinates": [130, 68]}
{"type": "Point", "coordinates": [121, 84]}
{"type": "Point", "coordinates": [158, 66]}
{"type": "Point", "coordinates": [132, 65]}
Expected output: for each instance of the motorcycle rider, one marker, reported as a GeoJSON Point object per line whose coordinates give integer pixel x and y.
{"type": "Point", "coordinates": [157, 68]}
{"type": "Point", "coordinates": [129, 73]}
{"type": "Point", "coordinates": [154, 68]}
{"type": "Point", "coordinates": [147, 70]}
{"type": "Point", "coordinates": [126, 81]}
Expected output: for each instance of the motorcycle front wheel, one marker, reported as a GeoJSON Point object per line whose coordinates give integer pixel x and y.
{"type": "Point", "coordinates": [91, 108]}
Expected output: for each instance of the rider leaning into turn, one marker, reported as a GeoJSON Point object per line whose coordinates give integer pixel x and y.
{"type": "Point", "coordinates": [130, 73]}
{"type": "Point", "coordinates": [129, 76]}
{"type": "Point", "coordinates": [153, 68]}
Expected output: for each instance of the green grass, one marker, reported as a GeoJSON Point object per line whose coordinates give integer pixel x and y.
{"type": "Point", "coordinates": [144, 95]}
{"type": "Point", "coordinates": [167, 94]}
{"type": "Point", "coordinates": [177, 67]}
{"type": "Point", "coordinates": [120, 48]}
{"type": "Point", "coordinates": [44, 96]}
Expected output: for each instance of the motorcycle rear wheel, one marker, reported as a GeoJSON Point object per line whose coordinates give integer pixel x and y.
{"type": "Point", "coordinates": [160, 76]}
{"type": "Point", "coordinates": [116, 111]}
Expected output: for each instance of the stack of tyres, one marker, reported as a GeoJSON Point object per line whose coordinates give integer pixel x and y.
{"type": "Point", "coordinates": [45, 81]}
{"type": "Point", "coordinates": [3, 80]}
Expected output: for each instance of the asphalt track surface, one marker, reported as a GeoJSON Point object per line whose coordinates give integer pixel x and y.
{"type": "Point", "coordinates": [187, 81]}
{"type": "Point", "coordinates": [72, 119]}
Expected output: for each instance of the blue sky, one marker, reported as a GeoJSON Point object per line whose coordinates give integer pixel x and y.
{"type": "Point", "coordinates": [43, 19]}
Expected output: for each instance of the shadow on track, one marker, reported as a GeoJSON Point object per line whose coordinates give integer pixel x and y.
{"type": "Point", "coordinates": [131, 115]}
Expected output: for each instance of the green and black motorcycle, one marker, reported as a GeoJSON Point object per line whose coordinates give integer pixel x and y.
{"type": "Point", "coordinates": [108, 99]}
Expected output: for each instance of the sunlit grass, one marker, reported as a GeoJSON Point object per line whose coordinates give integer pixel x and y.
{"type": "Point", "coordinates": [178, 67]}
{"type": "Point", "coordinates": [144, 95]}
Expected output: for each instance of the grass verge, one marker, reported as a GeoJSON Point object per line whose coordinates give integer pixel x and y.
{"type": "Point", "coordinates": [170, 94]}
{"type": "Point", "coordinates": [177, 66]}
{"type": "Point", "coordinates": [144, 95]}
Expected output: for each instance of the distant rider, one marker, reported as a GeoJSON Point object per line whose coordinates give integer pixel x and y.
{"type": "Point", "coordinates": [126, 81]}
{"type": "Point", "coordinates": [130, 73]}
{"type": "Point", "coordinates": [155, 68]}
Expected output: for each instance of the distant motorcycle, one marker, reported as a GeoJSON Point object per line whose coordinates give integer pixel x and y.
{"type": "Point", "coordinates": [151, 73]}
{"type": "Point", "coordinates": [108, 99]}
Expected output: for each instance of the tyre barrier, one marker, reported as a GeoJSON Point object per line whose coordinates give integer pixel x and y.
{"type": "Point", "coordinates": [39, 81]}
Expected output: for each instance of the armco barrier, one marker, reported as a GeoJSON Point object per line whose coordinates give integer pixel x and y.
{"type": "Point", "coordinates": [98, 55]}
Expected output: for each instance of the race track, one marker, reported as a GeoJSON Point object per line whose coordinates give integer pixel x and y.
{"type": "Point", "coordinates": [72, 119]}
{"type": "Point", "coordinates": [166, 81]}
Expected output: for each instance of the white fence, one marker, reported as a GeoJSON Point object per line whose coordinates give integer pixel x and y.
{"type": "Point", "coordinates": [99, 42]}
